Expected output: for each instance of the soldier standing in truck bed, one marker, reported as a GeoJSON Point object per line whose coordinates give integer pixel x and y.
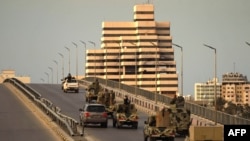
{"type": "Point", "coordinates": [126, 100]}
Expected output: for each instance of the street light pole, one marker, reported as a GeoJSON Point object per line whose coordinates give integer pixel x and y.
{"type": "Point", "coordinates": [215, 81]}
{"type": "Point", "coordinates": [135, 66]}
{"type": "Point", "coordinates": [95, 55]}
{"type": "Point", "coordinates": [56, 70]}
{"type": "Point", "coordinates": [106, 65]}
{"type": "Point", "coordinates": [51, 74]}
{"type": "Point", "coordinates": [181, 67]}
{"type": "Point", "coordinates": [42, 79]}
{"type": "Point", "coordinates": [84, 57]}
{"type": "Point", "coordinates": [62, 64]}
{"type": "Point", "coordinates": [248, 43]}
{"type": "Point", "coordinates": [121, 46]}
{"type": "Point", "coordinates": [47, 75]}
{"type": "Point", "coordinates": [76, 60]}
{"type": "Point", "coordinates": [156, 63]}
{"type": "Point", "coordinates": [69, 57]}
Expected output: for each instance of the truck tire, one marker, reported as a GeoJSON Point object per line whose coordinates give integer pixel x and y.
{"type": "Point", "coordinates": [152, 139]}
{"type": "Point", "coordinates": [170, 139]}
{"type": "Point", "coordinates": [145, 137]}
{"type": "Point", "coordinates": [114, 123]}
{"type": "Point", "coordinates": [118, 125]}
{"type": "Point", "coordinates": [135, 125]}
{"type": "Point", "coordinates": [105, 124]}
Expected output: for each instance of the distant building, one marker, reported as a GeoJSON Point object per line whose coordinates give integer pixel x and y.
{"type": "Point", "coordinates": [188, 97]}
{"type": "Point", "coordinates": [236, 88]}
{"type": "Point", "coordinates": [11, 74]}
{"type": "Point", "coordinates": [204, 92]}
{"type": "Point", "coordinates": [137, 53]}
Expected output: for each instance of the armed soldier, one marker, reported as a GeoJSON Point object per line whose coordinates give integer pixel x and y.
{"type": "Point", "coordinates": [126, 100]}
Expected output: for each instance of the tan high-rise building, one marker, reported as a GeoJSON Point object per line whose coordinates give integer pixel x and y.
{"type": "Point", "coordinates": [236, 88]}
{"type": "Point", "coordinates": [137, 53]}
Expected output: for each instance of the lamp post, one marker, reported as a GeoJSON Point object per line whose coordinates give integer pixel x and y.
{"type": "Point", "coordinates": [181, 67]}
{"type": "Point", "coordinates": [156, 63]}
{"type": "Point", "coordinates": [84, 57]}
{"type": "Point", "coordinates": [62, 64]}
{"type": "Point", "coordinates": [51, 74]}
{"type": "Point", "coordinates": [135, 66]}
{"type": "Point", "coordinates": [248, 43]}
{"type": "Point", "coordinates": [42, 79]}
{"type": "Point", "coordinates": [56, 70]}
{"type": "Point", "coordinates": [47, 75]}
{"type": "Point", "coordinates": [95, 55]}
{"type": "Point", "coordinates": [121, 46]}
{"type": "Point", "coordinates": [76, 60]}
{"type": "Point", "coordinates": [69, 57]}
{"type": "Point", "coordinates": [215, 81]}
{"type": "Point", "coordinates": [106, 66]}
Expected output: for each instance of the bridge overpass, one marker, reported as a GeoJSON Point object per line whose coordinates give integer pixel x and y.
{"type": "Point", "coordinates": [151, 102]}
{"type": "Point", "coordinates": [18, 119]}
{"type": "Point", "coordinates": [70, 103]}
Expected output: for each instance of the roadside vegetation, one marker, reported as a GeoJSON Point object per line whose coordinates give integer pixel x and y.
{"type": "Point", "coordinates": [233, 109]}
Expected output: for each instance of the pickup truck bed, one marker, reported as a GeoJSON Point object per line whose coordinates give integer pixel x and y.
{"type": "Point", "coordinates": [71, 85]}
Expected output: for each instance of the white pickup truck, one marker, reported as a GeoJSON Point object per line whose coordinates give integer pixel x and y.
{"type": "Point", "coordinates": [71, 85]}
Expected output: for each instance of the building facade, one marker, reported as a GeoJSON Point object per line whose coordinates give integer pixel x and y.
{"type": "Point", "coordinates": [137, 53]}
{"type": "Point", "coordinates": [204, 92]}
{"type": "Point", "coordinates": [236, 88]}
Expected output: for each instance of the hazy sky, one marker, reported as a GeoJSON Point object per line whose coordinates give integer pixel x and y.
{"type": "Point", "coordinates": [33, 32]}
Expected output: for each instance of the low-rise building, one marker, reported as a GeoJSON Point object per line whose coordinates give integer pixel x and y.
{"type": "Point", "coordinates": [236, 88]}
{"type": "Point", "coordinates": [205, 93]}
{"type": "Point", "coordinates": [11, 74]}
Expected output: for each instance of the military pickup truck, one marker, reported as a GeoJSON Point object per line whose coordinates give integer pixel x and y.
{"type": "Point", "coordinates": [125, 114]}
{"type": "Point", "coordinates": [160, 126]}
{"type": "Point", "coordinates": [183, 120]}
{"type": "Point", "coordinates": [182, 115]}
{"type": "Point", "coordinates": [107, 98]}
{"type": "Point", "coordinates": [92, 91]}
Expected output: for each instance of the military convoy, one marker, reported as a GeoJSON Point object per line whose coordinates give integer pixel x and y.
{"type": "Point", "coordinates": [97, 94]}
{"type": "Point", "coordinates": [165, 124]}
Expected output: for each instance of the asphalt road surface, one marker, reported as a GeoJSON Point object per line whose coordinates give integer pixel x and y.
{"type": "Point", "coordinates": [19, 123]}
{"type": "Point", "coordinates": [70, 104]}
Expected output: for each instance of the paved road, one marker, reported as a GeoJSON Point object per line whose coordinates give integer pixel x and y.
{"type": "Point", "coordinates": [70, 104]}
{"type": "Point", "coordinates": [18, 123]}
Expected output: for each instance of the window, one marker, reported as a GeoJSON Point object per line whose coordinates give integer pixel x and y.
{"type": "Point", "coordinates": [95, 108]}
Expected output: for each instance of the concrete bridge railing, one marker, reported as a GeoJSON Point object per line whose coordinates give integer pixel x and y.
{"type": "Point", "coordinates": [149, 102]}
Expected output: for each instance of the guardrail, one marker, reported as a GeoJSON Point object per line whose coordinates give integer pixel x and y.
{"type": "Point", "coordinates": [67, 123]}
{"type": "Point", "coordinates": [146, 100]}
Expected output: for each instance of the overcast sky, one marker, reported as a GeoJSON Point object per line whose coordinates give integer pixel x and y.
{"type": "Point", "coordinates": [33, 32]}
